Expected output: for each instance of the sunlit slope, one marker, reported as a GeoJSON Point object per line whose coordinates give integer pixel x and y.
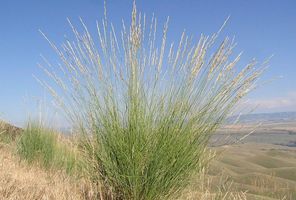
{"type": "Point", "coordinates": [261, 169]}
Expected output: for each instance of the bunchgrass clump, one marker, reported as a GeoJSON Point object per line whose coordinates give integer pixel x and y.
{"type": "Point", "coordinates": [145, 109]}
{"type": "Point", "coordinates": [37, 144]}
{"type": "Point", "coordinates": [42, 146]}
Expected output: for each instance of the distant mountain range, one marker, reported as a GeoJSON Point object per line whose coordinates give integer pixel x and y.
{"type": "Point", "coordinates": [265, 117]}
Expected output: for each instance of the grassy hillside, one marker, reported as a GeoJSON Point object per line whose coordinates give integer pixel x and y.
{"type": "Point", "coordinates": [8, 132]}
{"type": "Point", "coordinates": [245, 171]}
{"type": "Point", "coordinates": [19, 181]}
{"type": "Point", "coordinates": [261, 169]}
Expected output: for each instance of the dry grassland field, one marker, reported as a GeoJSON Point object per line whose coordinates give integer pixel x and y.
{"type": "Point", "coordinates": [261, 166]}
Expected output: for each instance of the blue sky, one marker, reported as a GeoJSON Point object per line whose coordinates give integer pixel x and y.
{"type": "Point", "coordinates": [261, 28]}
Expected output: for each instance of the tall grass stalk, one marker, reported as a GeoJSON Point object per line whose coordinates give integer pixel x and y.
{"type": "Point", "coordinates": [146, 109]}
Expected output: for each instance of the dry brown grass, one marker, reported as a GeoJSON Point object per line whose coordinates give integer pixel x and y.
{"type": "Point", "coordinates": [18, 181]}
{"type": "Point", "coordinates": [8, 131]}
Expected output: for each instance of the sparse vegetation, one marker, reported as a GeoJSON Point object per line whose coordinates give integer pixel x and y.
{"type": "Point", "coordinates": [8, 133]}
{"type": "Point", "coordinates": [24, 181]}
{"type": "Point", "coordinates": [5, 138]}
